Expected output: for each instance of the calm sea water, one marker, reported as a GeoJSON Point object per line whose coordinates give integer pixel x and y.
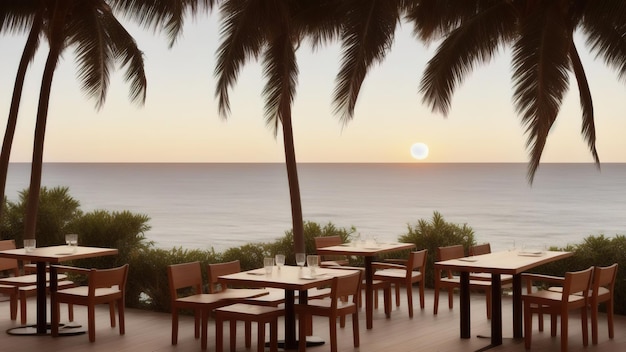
{"type": "Point", "coordinates": [225, 205]}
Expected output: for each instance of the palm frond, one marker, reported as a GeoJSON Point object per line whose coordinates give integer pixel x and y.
{"type": "Point", "coordinates": [16, 16]}
{"type": "Point", "coordinates": [369, 29]}
{"type": "Point", "coordinates": [280, 70]}
{"type": "Point", "coordinates": [94, 58]}
{"type": "Point", "coordinates": [166, 15]}
{"type": "Point", "coordinates": [540, 63]}
{"type": "Point", "coordinates": [586, 103]}
{"type": "Point", "coordinates": [474, 42]}
{"type": "Point", "coordinates": [242, 38]}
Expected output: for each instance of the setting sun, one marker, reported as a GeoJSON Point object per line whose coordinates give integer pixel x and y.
{"type": "Point", "coordinates": [419, 151]}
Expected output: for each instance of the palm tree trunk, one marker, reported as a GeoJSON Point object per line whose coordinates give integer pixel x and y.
{"type": "Point", "coordinates": [56, 42]}
{"type": "Point", "coordinates": [29, 52]}
{"type": "Point", "coordinates": [294, 186]}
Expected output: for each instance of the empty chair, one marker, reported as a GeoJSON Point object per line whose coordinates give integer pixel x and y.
{"type": "Point", "coordinates": [333, 308]}
{"type": "Point", "coordinates": [247, 313]}
{"type": "Point", "coordinates": [330, 260]}
{"type": "Point", "coordinates": [602, 291]}
{"type": "Point", "coordinates": [446, 280]}
{"type": "Point", "coordinates": [558, 303]}
{"type": "Point", "coordinates": [407, 275]}
{"type": "Point", "coordinates": [104, 286]}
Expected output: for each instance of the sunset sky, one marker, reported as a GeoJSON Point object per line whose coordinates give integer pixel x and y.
{"type": "Point", "coordinates": [179, 122]}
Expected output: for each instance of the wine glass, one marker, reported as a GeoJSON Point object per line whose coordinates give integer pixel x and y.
{"type": "Point", "coordinates": [280, 260]}
{"type": "Point", "coordinates": [300, 259]}
{"type": "Point", "coordinates": [312, 262]}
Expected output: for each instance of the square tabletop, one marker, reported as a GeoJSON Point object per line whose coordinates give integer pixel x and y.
{"type": "Point", "coordinates": [505, 262]}
{"type": "Point", "coordinates": [364, 249]}
{"type": "Point", "coordinates": [287, 277]}
{"type": "Point", "coordinates": [57, 254]}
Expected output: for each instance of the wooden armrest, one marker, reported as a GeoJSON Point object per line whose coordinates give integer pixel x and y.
{"type": "Point", "coordinates": [72, 269]}
{"type": "Point", "coordinates": [396, 261]}
{"type": "Point", "coordinates": [380, 266]}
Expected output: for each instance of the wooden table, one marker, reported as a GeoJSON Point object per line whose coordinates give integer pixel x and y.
{"type": "Point", "coordinates": [369, 252]}
{"type": "Point", "coordinates": [497, 264]}
{"type": "Point", "coordinates": [44, 256]}
{"type": "Point", "coordinates": [290, 279]}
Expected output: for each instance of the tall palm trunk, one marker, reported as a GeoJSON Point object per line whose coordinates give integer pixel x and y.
{"type": "Point", "coordinates": [29, 52]}
{"type": "Point", "coordinates": [56, 42]}
{"type": "Point", "coordinates": [292, 178]}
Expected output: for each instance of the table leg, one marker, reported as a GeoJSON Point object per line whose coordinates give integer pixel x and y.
{"type": "Point", "coordinates": [42, 328]}
{"type": "Point", "coordinates": [369, 299]}
{"type": "Point", "coordinates": [290, 321]}
{"type": "Point", "coordinates": [465, 305]}
{"type": "Point", "coordinates": [496, 310]}
{"type": "Point", "coordinates": [54, 312]}
{"type": "Point", "coordinates": [517, 306]}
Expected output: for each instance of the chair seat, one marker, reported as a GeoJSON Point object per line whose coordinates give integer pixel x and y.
{"type": "Point", "coordinates": [457, 280]}
{"type": "Point", "coordinates": [242, 310]}
{"type": "Point", "coordinates": [394, 274]}
{"type": "Point", "coordinates": [83, 291]}
{"type": "Point", "coordinates": [331, 263]}
{"type": "Point", "coordinates": [504, 278]}
{"type": "Point", "coordinates": [27, 280]}
{"type": "Point", "coordinates": [546, 297]}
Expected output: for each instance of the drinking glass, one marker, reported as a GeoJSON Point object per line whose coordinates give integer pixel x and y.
{"type": "Point", "coordinates": [280, 260]}
{"type": "Point", "coordinates": [312, 263]}
{"type": "Point", "coordinates": [72, 241]}
{"type": "Point", "coordinates": [30, 245]}
{"type": "Point", "coordinates": [300, 259]}
{"type": "Point", "coordinates": [268, 264]}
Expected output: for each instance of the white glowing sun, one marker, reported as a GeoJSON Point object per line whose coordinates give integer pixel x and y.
{"type": "Point", "coordinates": [419, 151]}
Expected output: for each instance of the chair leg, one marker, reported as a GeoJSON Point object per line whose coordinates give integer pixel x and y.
{"type": "Point", "coordinates": [583, 318]}
{"type": "Point", "coordinates": [219, 333]}
{"type": "Point", "coordinates": [70, 312]}
{"type": "Point", "coordinates": [302, 322]}
{"type": "Point", "coordinates": [488, 301]}
{"type": "Point", "coordinates": [260, 336]}
{"type": "Point", "coordinates": [387, 301]}
{"type": "Point", "coordinates": [397, 286]}
{"type": "Point", "coordinates": [436, 304]}
{"type": "Point", "coordinates": [450, 298]}
{"type": "Point", "coordinates": [120, 312]}
{"type": "Point", "coordinates": [528, 326]}
{"type": "Point", "coordinates": [609, 317]}
{"type": "Point", "coordinates": [91, 322]}
{"type": "Point", "coordinates": [409, 298]}
{"type": "Point", "coordinates": [233, 335]}
{"type": "Point", "coordinates": [355, 324]}
{"type": "Point", "coordinates": [112, 313]}
{"type": "Point", "coordinates": [274, 335]}
{"type": "Point", "coordinates": [422, 283]}
{"type": "Point", "coordinates": [175, 326]}
{"type": "Point", "coordinates": [564, 330]}
{"type": "Point", "coordinates": [594, 323]}
{"type": "Point", "coordinates": [333, 333]}
{"type": "Point", "coordinates": [248, 333]}
{"type": "Point", "coordinates": [22, 308]}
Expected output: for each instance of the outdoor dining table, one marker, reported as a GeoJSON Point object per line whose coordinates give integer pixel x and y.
{"type": "Point", "coordinates": [291, 279]}
{"type": "Point", "coordinates": [44, 256]}
{"type": "Point", "coordinates": [513, 263]}
{"type": "Point", "coordinates": [369, 251]}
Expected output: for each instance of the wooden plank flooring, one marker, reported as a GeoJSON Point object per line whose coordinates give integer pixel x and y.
{"type": "Point", "coordinates": [149, 331]}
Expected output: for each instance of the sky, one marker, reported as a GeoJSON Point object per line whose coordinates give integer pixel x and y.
{"type": "Point", "coordinates": [180, 123]}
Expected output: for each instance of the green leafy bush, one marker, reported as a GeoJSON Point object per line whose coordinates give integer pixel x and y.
{"type": "Point", "coordinates": [437, 233]}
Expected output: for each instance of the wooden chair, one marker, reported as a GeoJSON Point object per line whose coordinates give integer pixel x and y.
{"type": "Point", "coordinates": [330, 260]}
{"type": "Point", "coordinates": [558, 303]}
{"type": "Point", "coordinates": [407, 275]}
{"type": "Point", "coordinates": [333, 308]}
{"type": "Point", "coordinates": [247, 313]}
{"type": "Point", "coordinates": [450, 281]}
{"type": "Point", "coordinates": [104, 286]}
{"type": "Point", "coordinates": [602, 291]}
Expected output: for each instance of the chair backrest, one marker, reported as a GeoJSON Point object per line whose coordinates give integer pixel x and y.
{"type": "Point", "coordinates": [480, 249]}
{"type": "Point", "coordinates": [417, 260]}
{"type": "Point", "coordinates": [576, 281]}
{"type": "Point", "coordinates": [185, 275]}
{"type": "Point", "coordinates": [344, 286]}
{"type": "Point", "coordinates": [604, 277]}
{"type": "Point", "coordinates": [447, 253]}
{"type": "Point", "coordinates": [328, 241]}
{"type": "Point", "coordinates": [214, 271]}
{"type": "Point", "coordinates": [7, 263]}
{"type": "Point", "coordinates": [106, 278]}
{"type": "Point", "coordinates": [450, 252]}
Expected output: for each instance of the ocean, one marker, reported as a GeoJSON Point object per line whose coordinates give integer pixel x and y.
{"type": "Point", "coordinates": [225, 205]}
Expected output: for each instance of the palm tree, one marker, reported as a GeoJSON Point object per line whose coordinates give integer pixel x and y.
{"type": "Point", "coordinates": [541, 35]}
{"type": "Point", "coordinates": [16, 19]}
{"type": "Point", "coordinates": [100, 41]}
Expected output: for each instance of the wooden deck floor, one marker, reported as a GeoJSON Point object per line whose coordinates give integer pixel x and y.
{"type": "Point", "coordinates": [148, 331]}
